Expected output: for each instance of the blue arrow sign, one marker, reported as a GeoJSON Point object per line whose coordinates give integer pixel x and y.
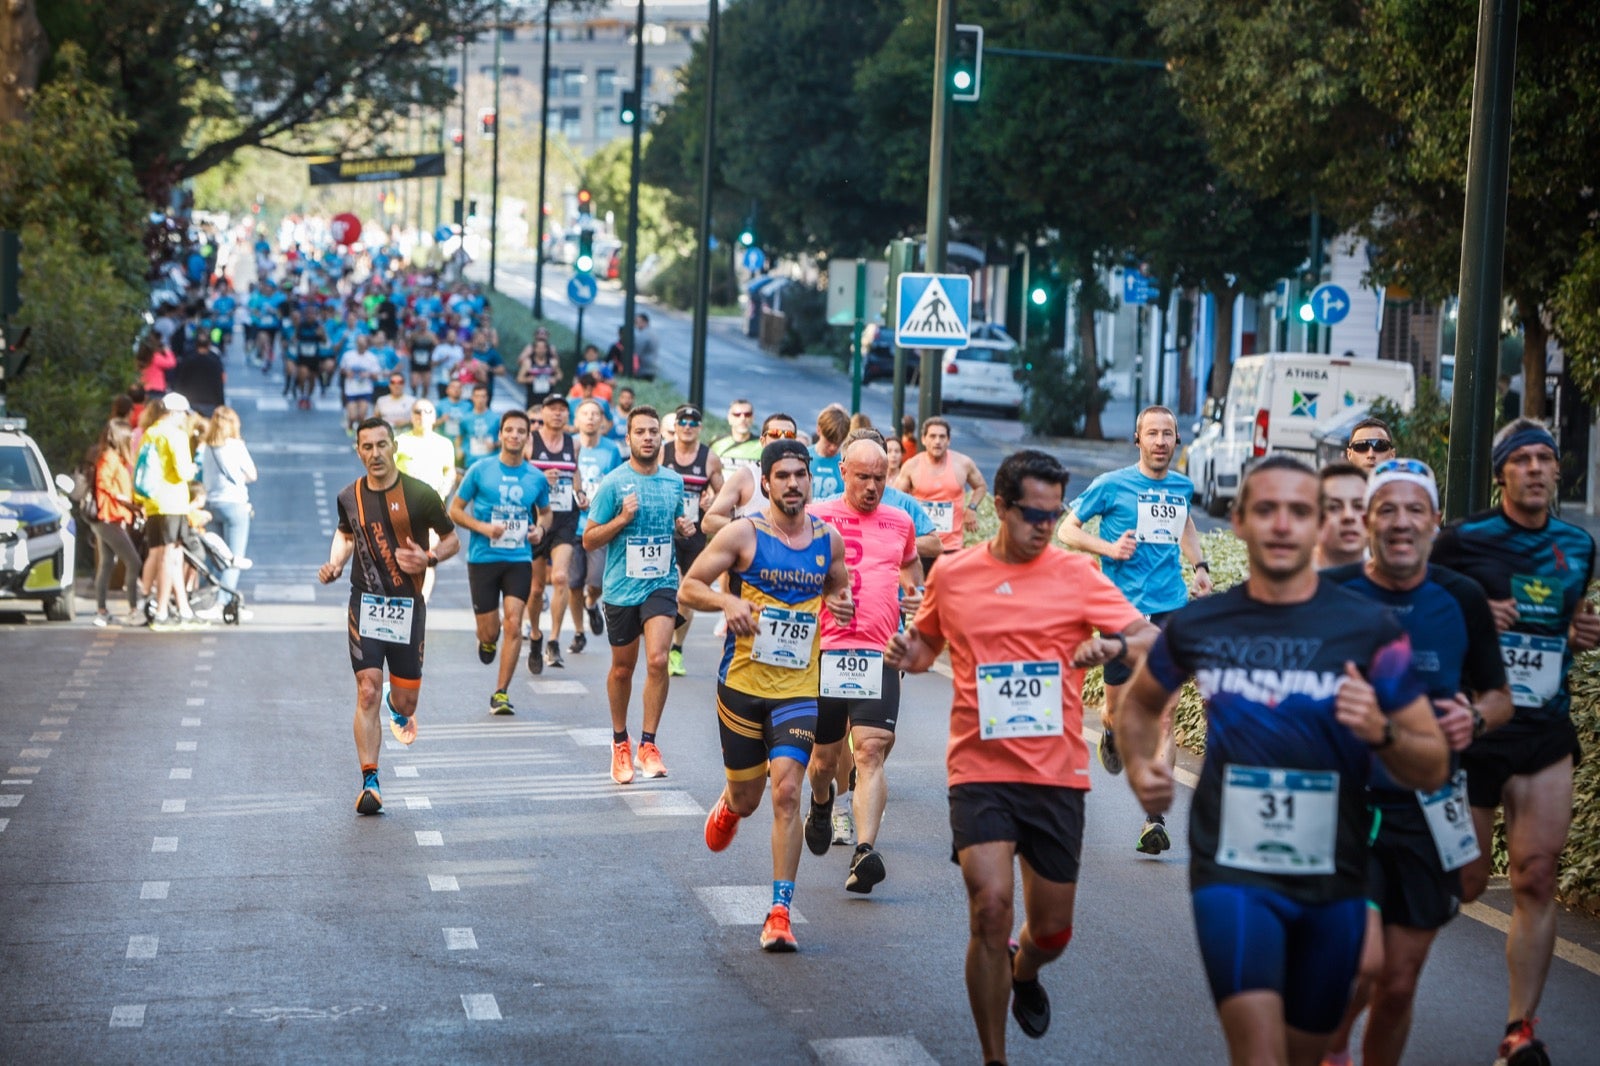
{"type": "Point", "coordinates": [1330, 304]}
{"type": "Point", "coordinates": [934, 311]}
{"type": "Point", "coordinates": [581, 290]}
{"type": "Point", "coordinates": [754, 260]}
{"type": "Point", "coordinates": [1137, 288]}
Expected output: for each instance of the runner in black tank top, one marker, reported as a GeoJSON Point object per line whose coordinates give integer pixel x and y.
{"type": "Point", "coordinates": [553, 558]}
{"type": "Point", "coordinates": [702, 472]}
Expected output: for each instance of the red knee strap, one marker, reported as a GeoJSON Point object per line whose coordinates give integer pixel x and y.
{"type": "Point", "coordinates": [1055, 941]}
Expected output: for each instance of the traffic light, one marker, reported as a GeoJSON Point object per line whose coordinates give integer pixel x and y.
{"type": "Point", "coordinates": [458, 139]}
{"type": "Point", "coordinates": [486, 121]}
{"type": "Point", "coordinates": [966, 64]}
{"type": "Point", "coordinates": [585, 260]}
{"type": "Point", "coordinates": [1039, 295]}
{"type": "Point", "coordinates": [585, 202]}
{"type": "Point", "coordinates": [630, 107]}
{"type": "Point", "coordinates": [747, 233]}
{"type": "Point", "coordinates": [10, 273]}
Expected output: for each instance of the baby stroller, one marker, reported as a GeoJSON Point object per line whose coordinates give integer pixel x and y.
{"type": "Point", "coordinates": [208, 556]}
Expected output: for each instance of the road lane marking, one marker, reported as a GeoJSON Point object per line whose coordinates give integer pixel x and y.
{"type": "Point", "coordinates": [173, 806]}
{"type": "Point", "coordinates": [206, 655]}
{"type": "Point", "coordinates": [741, 904]}
{"type": "Point", "coordinates": [188, 745]}
{"type": "Point", "coordinates": [202, 668]}
{"type": "Point", "coordinates": [142, 947]}
{"type": "Point", "coordinates": [199, 682]}
{"type": "Point", "coordinates": [17, 781]}
{"type": "Point", "coordinates": [128, 1016]}
{"type": "Point", "coordinates": [3, 823]}
{"type": "Point", "coordinates": [430, 838]}
{"type": "Point", "coordinates": [195, 701]}
{"type": "Point", "coordinates": [10, 799]}
{"type": "Point", "coordinates": [1576, 954]}
{"type": "Point", "coordinates": [662, 804]}
{"type": "Point", "coordinates": [52, 721]}
{"type": "Point", "coordinates": [34, 753]}
{"type": "Point", "coordinates": [559, 688]}
{"type": "Point", "coordinates": [480, 1007]}
{"type": "Point", "coordinates": [190, 723]}
{"type": "Point", "coordinates": [24, 770]}
{"type": "Point", "coordinates": [53, 735]}
{"type": "Point", "coordinates": [418, 803]}
{"type": "Point", "coordinates": [590, 738]}
{"type": "Point", "coordinates": [872, 1051]}
{"type": "Point", "coordinates": [180, 773]}
{"type": "Point", "coordinates": [405, 771]}
{"type": "Point", "coordinates": [443, 883]}
{"type": "Point", "coordinates": [297, 593]}
{"type": "Point", "coordinates": [154, 889]}
{"type": "Point", "coordinates": [164, 844]}
{"type": "Point", "coordinates": [460, 939]}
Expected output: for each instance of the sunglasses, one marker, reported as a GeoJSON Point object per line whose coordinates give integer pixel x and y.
{"type": "Point", "coordinates": [741, 414]}
{"type": "Point", "coordinates": [1035, 516]}
{"type": "Point", "coordinates": [776, 434]}
{"type": "Point", "coordinates": [1403, 466]}
{"type": "Point", "coordinates": [1377, 444]}
{"type": "Point", "coordinates": [692, 423]}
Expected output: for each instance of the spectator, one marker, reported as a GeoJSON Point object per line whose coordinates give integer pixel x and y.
{"type": "Point", "coordinates": [908, 435]}
{"type": "Point", "coordinates": [201, 377]}
{"type": "Point", "coordinates": [228, 470]}
{"type": "Point", "coordinates": [162, 473]}
{"type": "Point", "coordinates": [646, 349]}
{"type": "Point", "coordinates": [111, 466]}
{"type": "Point", "coordinates": [621, 404]}
{"type": "Point", "coordinates": [155, 358]}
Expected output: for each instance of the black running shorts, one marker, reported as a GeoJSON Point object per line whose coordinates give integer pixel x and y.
{"type": "Point", "coordinates": [1120, 671]}
{"type": "Point", "coordinates": [1404, 879]}
{"type": "Point", "coordinates": [563, 530]}
{"type": "Point", "coordinates": [625, 625]}
{"type": "Point", "coordinates": [492, 582]}
{"type": "Point", "coordinates": [162, 529]}
{"type": "Point", "coordinates": [1516, 748]}
{"type": "Point", "coordinates": [756, 729]}
{"type": "Point", "coordinates": [1045, 822]}
{"type": "Point", "coordinates": [835, 716]}
{"type": "Point", "coordinates": [404, 660]}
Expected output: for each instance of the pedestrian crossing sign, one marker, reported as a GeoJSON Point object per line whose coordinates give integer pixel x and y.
{"type": "Point", "coordinates": [934, 311]}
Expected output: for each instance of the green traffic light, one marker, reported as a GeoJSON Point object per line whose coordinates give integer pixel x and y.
{"type": "Point", "coordinates": [584, 264]}
{"type": "Point", "coordinates": [1306, 314]}
{"type": "Point", "coordinates": [1039, 296]}
{"type": "Point", "coordinates": [747, 238]}
{"type": "Point", "coordinates": [963, 80]}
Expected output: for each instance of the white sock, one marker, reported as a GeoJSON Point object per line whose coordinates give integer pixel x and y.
{"type": "Point", "coordinates": [841, 804]}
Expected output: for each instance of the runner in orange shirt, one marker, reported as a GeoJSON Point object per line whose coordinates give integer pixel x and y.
{"type": "Point", "coordinates": [1018, 763]}
{"type": "Point", "coordinates": [941, 477]}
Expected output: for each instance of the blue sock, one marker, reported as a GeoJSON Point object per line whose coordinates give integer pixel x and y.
{"type": "Point", "coordinates": [388, 701]}
{"type": "Point", "coordinates": [782, 893]}
{"type": "Point", "coordinates": [646, 738]}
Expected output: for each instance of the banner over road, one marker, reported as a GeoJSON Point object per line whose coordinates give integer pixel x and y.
{"type": "Point", "coordinates": [380, 168]}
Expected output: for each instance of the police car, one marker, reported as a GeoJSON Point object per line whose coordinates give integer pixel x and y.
{"type": "Point", "coordinates": [38, 537]}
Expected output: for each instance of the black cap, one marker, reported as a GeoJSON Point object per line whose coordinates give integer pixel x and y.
{"type": "Point", "coordinates": [782, 449]}
{"type": "Point", "coordinates": [687, 411]}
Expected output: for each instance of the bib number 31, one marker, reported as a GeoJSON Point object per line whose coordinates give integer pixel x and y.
{"type": "Point", "coordinates": [1279, 821]}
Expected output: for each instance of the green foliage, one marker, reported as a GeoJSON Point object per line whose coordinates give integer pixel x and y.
{"type": "Point", "coordinates": [1422, 432]}
{"type": "Point", "coordinates": [83, 319]}
{"type": "Point", "coordinates": [674, 285]}
{"type": "Point", "coordinates": [665, 398]}
{"type": "Point", "coordinates": [1058, 397]}
{"type": "Point", "coordinates": [516, 324]}
{"type": "Point", "coordinates": [64, 170]}
{"type": "Point", "coordinates": [1577, 319]}
{"type": "Point", "coordinates": [607, 175]}
{"type": "Point", "coordinates": [1578, 879]}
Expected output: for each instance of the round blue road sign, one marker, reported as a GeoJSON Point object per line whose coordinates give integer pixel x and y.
{"type": "Point", "coordinates": [581, 290]}
{"type": "Point", "coordinates": [1330, 305]}
{"type": "Point", "coordinates": [754, 259]}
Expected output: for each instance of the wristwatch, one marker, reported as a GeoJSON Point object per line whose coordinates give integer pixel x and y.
{"type": "Point", "coordinates": [1203, 565]}
{"type": "Point", "coordinates": [1120, 639]}
{"type": "Point", "coordinates": [1480, 725]}
{"type": "Point", "coordinates": [1388, 736]}
{"type": "Point", "coordinates": [433, 560]}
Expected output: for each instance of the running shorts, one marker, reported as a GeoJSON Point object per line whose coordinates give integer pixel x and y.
{"type": "Point", "coordinates": [1045, 822]}
{"type": "Point", "coordinates": [404, 660]}
{"type": "Point", "coordinates": [756, 729]}
{"type": "Point", "coordinates": [563, 530]}
{"type": "Point", "coordinates": [836, 715]}
{"type": "Point", "coordinates": [625, 625]}
{"type": "Point", "coordinates": [1120, 671]}
{"type": "Point", "coordinates": [490, 582]}
{"type": "Point", "coordinates": [1404, 879]}
{"type": "Point", "coordinates": [1516, 748]}
{"type": "Point", "coordinates": [584, 564]}
{"type": "Point", "coordinates": [162, 529]}
{"type": "Point", "coordinates": [688, 550]}
{"type": "Point", "coordinates": [1256, 940]}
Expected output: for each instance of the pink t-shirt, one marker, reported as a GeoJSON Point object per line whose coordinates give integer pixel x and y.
{"type": "Point", "coordinates": [876, 546]}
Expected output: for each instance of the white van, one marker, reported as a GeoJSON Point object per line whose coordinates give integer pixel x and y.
{"type": "Point", "coordinates": [1275, 402]}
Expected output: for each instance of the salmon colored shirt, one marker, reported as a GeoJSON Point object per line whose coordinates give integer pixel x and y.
{"type": "Point", "coordinates": [942, 483]}
{"type": "Point", "coordinates": [989, 611]}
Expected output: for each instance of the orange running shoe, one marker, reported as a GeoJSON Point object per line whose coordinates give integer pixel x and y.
{"type": "Point", "coordinates": [650, 760]}
{"type": "Point", "coordinates": [721, 824]}
{"type": "Point", "coordinates": [622, 763]}
{"type": "Point", "coordinates": [776, 934]}
{"type": "Point", "coordinates": [1521, 1047]}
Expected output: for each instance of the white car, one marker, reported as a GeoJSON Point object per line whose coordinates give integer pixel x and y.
{"type": "Point", "coordinates": [38, 536]}
{"type": "Point", "coordinates": [983, 374]}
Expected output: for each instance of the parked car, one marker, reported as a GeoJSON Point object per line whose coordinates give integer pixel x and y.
{"type": "Point", "coordinates": [38, 537]}
{"type": "Point", "coordinates": [1275, 403]}
{"type": "Point", "coordinates": [984, 373]}
{"type": "Point", "coordinates": [878, 362]}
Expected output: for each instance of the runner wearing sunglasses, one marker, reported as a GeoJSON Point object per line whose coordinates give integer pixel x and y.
{"type": "Point", "coordinates": [1370, 443]}
{"type": "Point", "coordinates": [741, 489]}
{"type": "Point", "coordinates": [1018, 764]}
{"type": "Point", "coordinates": [702, 479]}
{"type": "Point", "coordinates": [1145, 534]}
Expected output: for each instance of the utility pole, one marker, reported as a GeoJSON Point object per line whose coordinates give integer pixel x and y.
{"type": "Point", "coordinates": [702, 288]}
{"type": "Point", "coordinates": [494, 156]}
{"type": "Point", "coordinates": [544, 151]}
{"type": "Point", "coordinates": [630, 265]}
{"type": "Point", "coordinates": [929, 400]}
{"type": "Point", "coordinates": [1482, 262]}
{"type": "Point", "coordinates": [461, 204]}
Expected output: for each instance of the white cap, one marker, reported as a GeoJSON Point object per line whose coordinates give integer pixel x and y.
{"type": "Point", "coordinates": [175, 403]}
{"type": "Point", "coordinates": [1414, 471]}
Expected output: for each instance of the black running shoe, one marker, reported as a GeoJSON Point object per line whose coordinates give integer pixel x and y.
{"type": "Point", "coordinates": [866, 870]}
{"type": "Point", "coordinates": [536, 655]}
{"type": "Point", "coordinates": [485, 653]}
{"type": "Point", "coordinates": [1030, 1006]}
{"type": "Point", "coordinates": [552, 655]}
{"type": "Point", "coordinates": [819, 824]}
{"type": "Point", "coordinates": [1153, 840]}
{"type": "Point", "coordinates": [597, 621]}
{"type": "Point", "coordinates": [500, 703]}
{"type": "Point", "coordinates": [579, 642]}
{"type": "Point", "coordinates": [1110, 758]}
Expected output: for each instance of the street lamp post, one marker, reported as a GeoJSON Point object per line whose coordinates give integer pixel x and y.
{"type": "Point", "coordinates": [494, 156]}
{"type": "Point", "coordinates": [929, 398]}
{"type": "Point", "coordinates": [702, 289]}
{"type": "Point", "coordinates": [544, 151]}
{"type": "Point", "coordinates": [630, 268]}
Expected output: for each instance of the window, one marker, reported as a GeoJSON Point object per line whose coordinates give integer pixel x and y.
{"type": "Point", "coordinates": [605, 82]}
{"type": "Point", "coordinates": [510, 70]}
{"type": "Point", "coordinates": [508, 33]}
{"type": "Point", "coordinates": [572, 82]}
{"type": "Point", "coordinates": [605, 123]}
{"type": "Point", "coordinates": [571, 123]}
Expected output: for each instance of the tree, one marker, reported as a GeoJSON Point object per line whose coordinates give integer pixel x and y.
{"type": "Point", "coordinates": [22, 52]}
{"type": "Point", "coordinates": [607, 175]}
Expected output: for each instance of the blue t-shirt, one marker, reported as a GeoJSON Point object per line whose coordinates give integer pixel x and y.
{"type": "Point", "coordinates": [480, 434]}
{"type": "Point", "coordinates": [496, 492]}
{"type": "Point", "coordinates": [921, 524]}
{"type": "Point", "coordinates": [574, 402]}
{"type": "Point", "coordinates": [452, 416]}
{"type": "Point", "coordinates": [1152, 578]}
{"type": "Point", "coordinates": [660, 504]}
{"type": "Point", "coordinates": [826, 480]}
{"type": "Point", "coordinates": [593, 465]}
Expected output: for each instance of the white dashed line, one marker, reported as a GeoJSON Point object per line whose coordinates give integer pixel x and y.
{"type": "Point", "coordinates": [202, 668]}
{"type": "Point", "coordinates": [52, 736]}
{"type": "Point", "coordinates": [17, 781]}
{"type": "Point", "coordinates": [405, 771]}
{"type": "Point", "coordinates": [195, 701]}
{"type": "Point", "coordinates": [164, 844]}
{"type": "Point", "coordinates": [10, 800]}
{"type": "Point", "coordinates": [590, 738]}
{"type": "Point", "coordinates": [34, 753]}
{"type": "Point", "coordinates": [180, 773]}
{"type": "Point", "coordinates": [188, 745]}
{"type": "Point", "coordinates": [872, 1051]}
{"type": "Point", "coordinates": [481, 1007]}
{"type": "Point", "coordinates": [128, 1016]}
{"type": "Point", "coordinates": [741, 904]}
{"type": "Point", "coordinates": [24, 770]}
{"type": "Point", "coordinates": [154, 889]}
{"type": "Point", "coordinates": [142, 947]}
{"type": "Point", "coordinates": [443, 883]}
{"type": "Point", "coordinates": [430, 838]}
{"type": "Point", "coordinates": [559, 688]}
{"type": "Point", "coordinates": [418, 803]}
{"type": "Point", "coordinates": [662, 804]}
{"type": "Point", "coordinates": [52, 721]}
{"type": "Point", "coordinates": [173, 806]}
{"type": "Point", "coordinates": [3, 823]}
{"type": "Point", "coordinates": [190, 723]}
{"type": "Point", "coordinates": [205, 655]}
{"type": "Point", "coordinates": [460, 940]}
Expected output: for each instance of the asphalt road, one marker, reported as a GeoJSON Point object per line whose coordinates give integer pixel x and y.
{"type": "Point", "coordinates": [183, 877]}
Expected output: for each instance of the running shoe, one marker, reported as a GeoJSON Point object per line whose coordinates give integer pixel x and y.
{"type": "Point", "coordinates": [486, 652]}
{"type": "Point", "coordinates": [1030, 1006]}
{"type": "Point", "coordinates": [844, 828]}
{"type": "Point", "coordinates": [650, 760]}
{"type": "Point", "coordinates": [721, 824]}
{"type": "Point", "coordinates": [403, 728]}
{"type": "Point", "coordinates": [102, 618]}
{"type": "Point", "coordinates": [819, 823]}
{"type": "Point", "coordinates": [500, 703]}
{"type": "Point", "coordinates": [536, 655]}
{"type": "Point", "coordinates": [1521, 1047]}
{"type": "Point", "coordinates": [369, 802]}
{"type": "Point", "coordinates": [552, 655]}
{"type": "Point", "coordinates": [622, 763]}
{"type": "Point", "coordinates": [675, 663]}
{"type": "Point", "coordinates": [775, 934]}
{"type": "Point", "coordinates": [1153, 840]}
{"type": "Point", "coordinates": [1109, 757]}
{"type": "Point", "coordinates": [579, 642]}
{"type": "Point", "coordinates": [866, 870]}
{"type": "Point", "coordinates": [597, 621]}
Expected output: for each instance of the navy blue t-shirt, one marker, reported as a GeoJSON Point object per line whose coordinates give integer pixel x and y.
{"type": "Point", "coordinates": [1269, 674]}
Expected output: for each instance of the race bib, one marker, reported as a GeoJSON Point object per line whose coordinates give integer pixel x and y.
{"type": "Point", "coordinates": [561, 495]}
{"type": "Point", "coordinates": [1533, 666]}
{"type": "Point", "coordinates": [784, 638]}
{"type": "Point", "coordinates": [1162, 516]}
{"type": "Point", "coordinates": [942, 514]}
{"type": "Point", "coordinates": [1020, 699]}
{"type": "Point", "coordinates": [691, 506]}
{"type": "Point", "coordinates": [1450, 822]}
{"type": "Point", "coordinates": [386, 618]}
{"type": "Point", "coordinates": [852, 675]}
{"type": "Point", "coordinates": [649, 557]}
{"type": "Point", "coordinates": [1279, 821]}
{"type": "Point", "coordinates": [516, 531]}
